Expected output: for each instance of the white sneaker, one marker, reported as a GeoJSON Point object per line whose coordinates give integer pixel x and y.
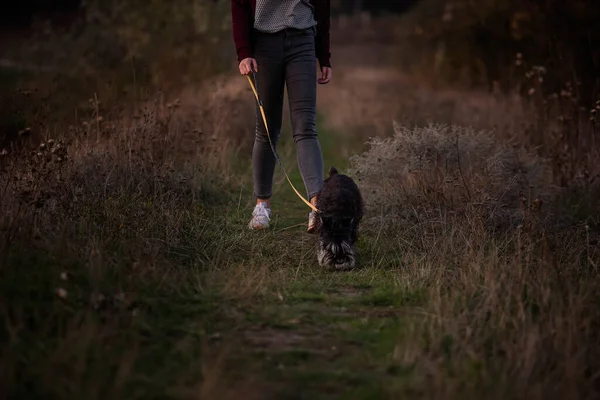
{"type": "Point", "coordinates": [261, 216]}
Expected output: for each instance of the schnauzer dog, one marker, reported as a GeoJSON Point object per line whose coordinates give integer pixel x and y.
{"type": "Point", "coordinates": [341, 209]}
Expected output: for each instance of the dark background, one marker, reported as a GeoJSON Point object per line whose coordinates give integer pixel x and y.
{"type": "Point", "coordinates": [563, 36]}
{"type": "Point", "coordinates": [20, 13]}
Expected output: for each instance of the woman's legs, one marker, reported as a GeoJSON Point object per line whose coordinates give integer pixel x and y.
{"type": "Point", "coordinates": [268, 51]}
{"type": "Point", "coordinates": [301, 81]}
{"type": "Point", "coordinates": [288, 58]}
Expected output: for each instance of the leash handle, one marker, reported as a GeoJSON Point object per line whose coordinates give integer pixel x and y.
{"type": "Point", "coordinates": [254, 87]}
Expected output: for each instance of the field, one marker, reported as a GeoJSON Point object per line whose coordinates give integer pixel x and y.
{"type": "Point", "coordinates": [127, 270]}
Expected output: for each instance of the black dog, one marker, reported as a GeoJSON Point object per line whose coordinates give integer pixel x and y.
{"type": "Point", "coordinates": [341, 209]}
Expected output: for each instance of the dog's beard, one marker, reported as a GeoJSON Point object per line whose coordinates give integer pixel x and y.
{"type": "Point", "coordinates": [337, 254]}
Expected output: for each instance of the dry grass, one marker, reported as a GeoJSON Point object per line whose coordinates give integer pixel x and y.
{"type": "Point", "coordinates": [140, 252]}
{"type": "Point", "coordinates": [421, 174]}
{"type": "Point", "coordinates": [103, 228]}
{"type": "Point", "coordinates": [511, 318]}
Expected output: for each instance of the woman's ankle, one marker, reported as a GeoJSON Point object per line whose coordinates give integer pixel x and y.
{"type": "Point", "coordinates": [266, 202]}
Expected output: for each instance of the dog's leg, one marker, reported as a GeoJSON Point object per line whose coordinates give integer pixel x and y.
{"type": "Point", "coordinates": [321, 254]}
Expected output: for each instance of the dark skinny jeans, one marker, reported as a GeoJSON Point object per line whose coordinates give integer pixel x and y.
{"type": "Point", "coordinates": [287, 57]}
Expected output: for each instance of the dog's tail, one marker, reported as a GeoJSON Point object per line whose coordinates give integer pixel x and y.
{"type": "Point", "coordinates": [332, 171]}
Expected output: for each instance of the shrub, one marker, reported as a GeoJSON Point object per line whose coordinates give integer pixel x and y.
{"type": "Point", "coordinates": [164, 41]}
{"type": "Point", "coordinates": [117, 51]}
{"type": "Point", "coordinates": [422, 173]}
{"type": "Point", "coordinates": [482, 38]}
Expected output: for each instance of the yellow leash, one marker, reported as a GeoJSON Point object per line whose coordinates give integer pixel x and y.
{"type": "Point", "coordinates": [264, 117]}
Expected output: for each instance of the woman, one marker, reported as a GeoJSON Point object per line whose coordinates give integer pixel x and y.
{"type": "Point", "coordinates": [281, 41]}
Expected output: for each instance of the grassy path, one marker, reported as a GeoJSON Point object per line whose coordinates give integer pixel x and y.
{"type": "Point", "coordinates": [315, 334]}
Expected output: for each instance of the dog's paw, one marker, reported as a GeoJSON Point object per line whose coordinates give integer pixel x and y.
{"type": "Point", "coordinates": [347, 266]}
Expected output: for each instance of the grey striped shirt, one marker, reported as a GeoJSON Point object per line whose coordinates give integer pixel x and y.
{"type": "Point", "coordinates": [275, 15]}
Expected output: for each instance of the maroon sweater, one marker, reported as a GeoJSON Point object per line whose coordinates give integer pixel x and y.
{"type": "Point", "coordinates": [242, 17]}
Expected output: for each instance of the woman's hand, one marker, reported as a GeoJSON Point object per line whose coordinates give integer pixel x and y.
{"type": "Point", "coordinates": [325, 75]}
{"type": "Point", "coordinates": [247, 65]}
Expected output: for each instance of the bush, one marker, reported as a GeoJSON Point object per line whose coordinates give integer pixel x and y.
{"type": "Point", "coordinates": [478, 41]}
{"type": "Point", "coordinates": [118, 51]}
{"type": "Point", "coordinates": [164, 41]}
{"type": "Point", "coordinates": [424, 173]}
